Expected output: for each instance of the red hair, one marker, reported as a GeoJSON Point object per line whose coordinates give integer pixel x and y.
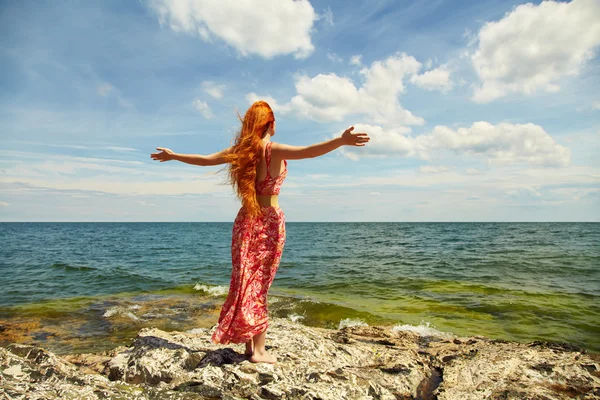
{"type": "Point", "coordinates": [245, 154]}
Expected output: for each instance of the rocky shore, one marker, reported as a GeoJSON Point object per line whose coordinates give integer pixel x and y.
{"type": "Point", "coordinates": [360, 362]}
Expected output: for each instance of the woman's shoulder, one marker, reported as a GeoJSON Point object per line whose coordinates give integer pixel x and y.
{"type": "Point", "coordinates": [277, 145]}
{"type": "Point", "coordinates": [275, 149]}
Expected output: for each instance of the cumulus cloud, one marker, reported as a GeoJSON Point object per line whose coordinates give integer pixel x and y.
{"type": "Point", "coordinates": [325, 97]}
{"type": "Point", "coordinates": [534, 46]}
{"type": "Point", "coordinates": [213, 89]}
{"type": "Point", "coordinates": [329, 97]}
{"type": "Point", "coordinates": [435, 79]}
{"type": "Point", "coordinates": [386, 143]}
{"type": "Point", "coordinates": [270, 29]}
{"type": "Point", "coordinates": [203, 108]}
{"type": "Point", "coordinates": [275, 106]}
{"type": "Point", "coordinates": [501, 144]}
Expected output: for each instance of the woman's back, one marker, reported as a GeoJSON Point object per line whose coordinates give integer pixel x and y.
{"type": "Point", "coordinates": [269, 175]}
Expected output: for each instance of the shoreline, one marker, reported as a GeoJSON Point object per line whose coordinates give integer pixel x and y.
{"type": "Point", "coordinates": [370, 362]}
{"type": "Point", "coordinates": [98, 323]}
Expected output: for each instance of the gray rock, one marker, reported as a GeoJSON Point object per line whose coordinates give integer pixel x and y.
{"type": "Point", "coordinates": [351, 363]}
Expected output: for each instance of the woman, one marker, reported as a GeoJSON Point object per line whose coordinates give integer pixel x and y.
{"type": "Point", "coordinates": [257, 168]}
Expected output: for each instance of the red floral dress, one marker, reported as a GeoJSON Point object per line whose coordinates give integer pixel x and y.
{"type": "Point", "coordinates": [256, 247]}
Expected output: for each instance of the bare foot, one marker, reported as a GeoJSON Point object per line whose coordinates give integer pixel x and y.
{"type": "Point", "coordinates": [264, 357]}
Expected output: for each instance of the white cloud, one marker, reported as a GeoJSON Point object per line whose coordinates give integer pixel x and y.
{"type": "Point", "coordinates": [3, 204]}
{"type": "Point", "coordinates": [573, 194]}
{"type": "Point", "coordinates": [272, 28]}
{"type": "Point", "coordinates": [503, 143]}
{"type": "Point", "coordinates": [329, 97]}
{"type": "Point", "coordinates": [203, 108]}
{"type": "Point", "coordinates": [104, 89]}
{"type": "Point", "coordinates": [596, 105]}
{"type": "Point", "coordinates": [145, 203]}
{"type": "Point", "coordinates": [334, 57]}
{"type": "Point", "coordinates": [327, 16]}
{"type": "Point", "coordinates": [534, 46]}
{"type": "Point", "coordinates": [435, 79]}
{"type": "Point", "coordinates": [277, 108]}
{"type": "Point", "coordinates": [121, 149]}
{"type": "Point", "coordinates": [77, 146]}
{"type": "Point", "coordinates": [318, 176]}
{"type": "Point", "coordinates": [525, 190]}
{"type": "Point", "coordinates": [213, 89]}
{"type": "Point", "coordinates": [385, 143]}
{"type": "Point", "coordinates": [434, 169]}
{"type": "Point", "coordinates": [325, 97]}
{"type": "Point", "coordinates": [356, 60]}
{"type": "Point", "coordinates": [87, 174]}
{"type": "Point", "coordinates": [500, 144]}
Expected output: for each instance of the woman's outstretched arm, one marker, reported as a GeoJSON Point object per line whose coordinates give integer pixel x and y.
{"type": "Point", "coordinates": [194, 159]}
{"type": "Point", "coordinates": [287, 152]}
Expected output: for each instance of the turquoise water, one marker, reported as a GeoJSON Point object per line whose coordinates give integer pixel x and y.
{"type": "Point", "coordinates": [516, 281]}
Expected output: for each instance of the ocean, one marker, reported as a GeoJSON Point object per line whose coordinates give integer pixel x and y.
{"type": "Point", "coordinates": [81, 287]}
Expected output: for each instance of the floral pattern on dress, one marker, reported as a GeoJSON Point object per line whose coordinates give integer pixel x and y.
{"type": "Point", "coordinates": [256, 247]}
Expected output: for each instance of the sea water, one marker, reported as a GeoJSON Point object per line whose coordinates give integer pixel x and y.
{"type": "Point", "coordinates": [83, 286]}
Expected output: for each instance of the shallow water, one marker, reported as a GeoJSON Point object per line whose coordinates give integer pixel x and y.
{"type": "Point", "coordinates": [76, 285]}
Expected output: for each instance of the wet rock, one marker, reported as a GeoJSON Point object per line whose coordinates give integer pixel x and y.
{"type": "Point", "coordinates": [396, 369]}
{"type": "Point", "coordinates": [313, 363]}
{"type": "Point", "coordinates": [543, 367]}
{"type": "Point", "coordinates": [200, 388]}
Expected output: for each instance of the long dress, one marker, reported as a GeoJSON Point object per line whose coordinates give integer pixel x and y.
{"type": "Point", "coordinates": [256, 248]}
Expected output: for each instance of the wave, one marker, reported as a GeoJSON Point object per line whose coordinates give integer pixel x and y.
{"type": "Point", "coordinates": [295, 317]}
{"type": "Point", "coordinates": [212, 290]}
{"type": "Point", "coordinates": [351, 322]}
{"type": "Point", "coordinates": [423, 329]}
{"type": "Point", "coordinates": [68, 267]}
{"type": "Point", "coordinates": [123, 311]}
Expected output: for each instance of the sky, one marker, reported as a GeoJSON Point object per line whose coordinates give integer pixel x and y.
{"type": "Point", "coordinates": [477, 110]}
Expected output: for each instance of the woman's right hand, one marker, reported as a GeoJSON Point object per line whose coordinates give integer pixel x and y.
{"type": "Point", "coordinates": [164, 155]}
{"type": "Point", "coordinates": [354, 139]}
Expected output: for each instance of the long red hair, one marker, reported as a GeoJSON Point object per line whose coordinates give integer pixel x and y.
{"type": "Point", "coordinates": [245, 154]}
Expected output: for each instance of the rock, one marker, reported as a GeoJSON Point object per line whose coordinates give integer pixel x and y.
{"type": "Point", "coordinates": [27, 372]}
{"type": "Point", "coordinates": [358, 362]}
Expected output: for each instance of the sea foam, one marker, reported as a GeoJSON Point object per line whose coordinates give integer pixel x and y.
{"type": "Point", "coordinates": [212, 290]}
{"type": "Point", "coordinates": [124, 311]}
{"type": "Point", "coordinates": [352, 322]}
{"type": "Point", "coordinates": [423, 329]}
{"type": "Point", "coordinates": [295, 317]}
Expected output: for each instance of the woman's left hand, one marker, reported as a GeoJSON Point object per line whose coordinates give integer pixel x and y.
{"type": "Point", "coordinates": [354, 139]}
{"type": "Point", "coordinates": [164, 155]}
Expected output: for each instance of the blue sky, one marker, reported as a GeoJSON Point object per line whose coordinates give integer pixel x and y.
{"type": "Point", "coordinates": [477, 111]}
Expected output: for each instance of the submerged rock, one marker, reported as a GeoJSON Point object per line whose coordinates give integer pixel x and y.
{"type": "Point", "coordinates": [358, 362]}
